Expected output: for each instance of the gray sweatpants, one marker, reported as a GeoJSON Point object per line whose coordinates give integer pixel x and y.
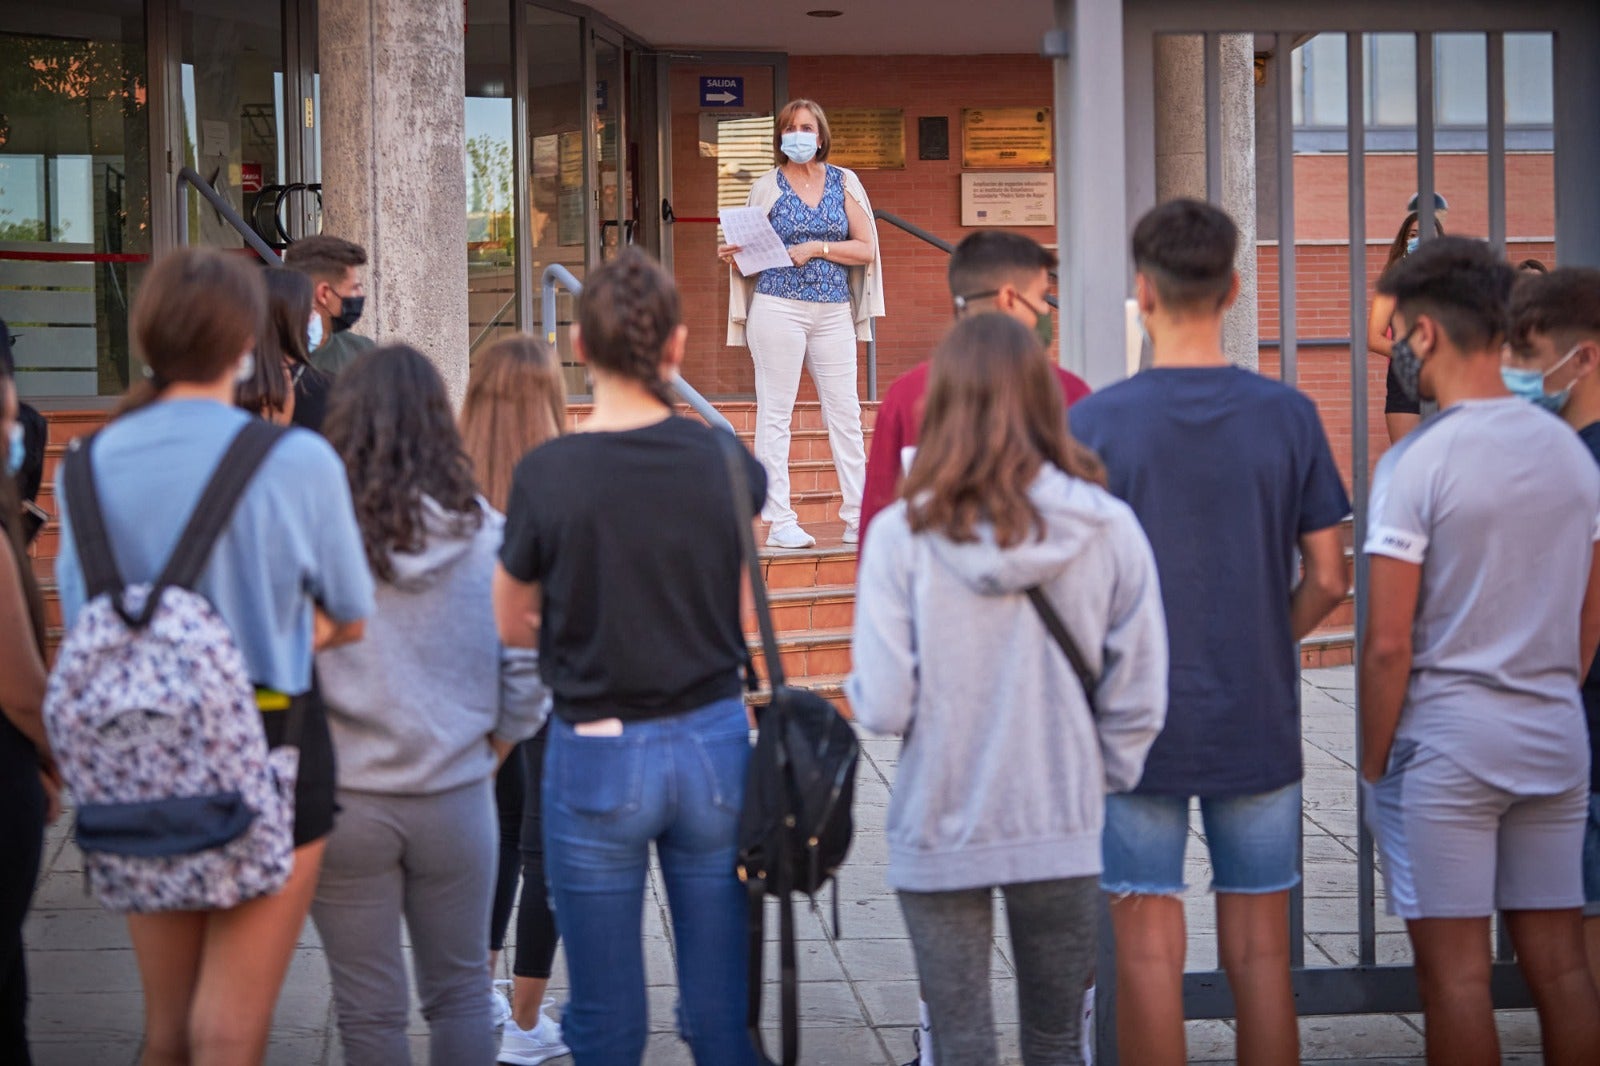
{"type": "Point", "coordinates": [430, 859]}
{"type": "Point", "coordinates": [1053, 942]}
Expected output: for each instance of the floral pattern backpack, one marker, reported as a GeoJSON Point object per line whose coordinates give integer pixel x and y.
{"type": "Point", "coordinates": [154, 721]}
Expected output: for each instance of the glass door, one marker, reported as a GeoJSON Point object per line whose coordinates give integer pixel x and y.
{"type": "Point", "coordinates": [615, 158]}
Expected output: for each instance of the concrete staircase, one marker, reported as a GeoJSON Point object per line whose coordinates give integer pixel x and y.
{"type": "Point", "coordinates": [812, 590]}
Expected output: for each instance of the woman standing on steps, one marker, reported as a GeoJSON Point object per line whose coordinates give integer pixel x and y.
{"type": "Point", "coordinates": [811, 313]}
{"type": "Point", "coordinates": [622, 564]}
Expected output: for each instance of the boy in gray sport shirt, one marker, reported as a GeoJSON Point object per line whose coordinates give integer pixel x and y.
{"type": "Point", "coordinates": [1483, 614]}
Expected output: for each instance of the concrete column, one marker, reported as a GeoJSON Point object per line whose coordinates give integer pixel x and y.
{"type": "Point", "coordinates": [1181, 157]}
{"type": "Point", "coordinates": [394, 181]}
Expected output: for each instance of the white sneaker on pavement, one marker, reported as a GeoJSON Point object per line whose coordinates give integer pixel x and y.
{"type": "Point", "coordinates": [500, 1003]}
{"type": "Point", "coordinates": [790, 536]}
{"type": "Point", "coordinates": [530, 1047]}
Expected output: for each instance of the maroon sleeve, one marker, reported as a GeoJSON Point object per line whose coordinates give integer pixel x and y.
{"type": "Point", "coordinates": [1073, 388]}
{"type": "Point", "coordinates": [883, 461]}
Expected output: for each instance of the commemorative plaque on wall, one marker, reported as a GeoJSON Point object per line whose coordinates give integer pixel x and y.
{"type": "Point", "coordinates": [994, 137]}
{"type": "Point", "coordinates": [868, 138]}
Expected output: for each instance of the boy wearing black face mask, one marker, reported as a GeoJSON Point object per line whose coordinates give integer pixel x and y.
{"type": "Point", "coordinates": [338, 297]}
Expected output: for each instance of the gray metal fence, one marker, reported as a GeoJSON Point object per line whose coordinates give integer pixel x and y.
{"type": "Point", "coordinates": [1104, 54]}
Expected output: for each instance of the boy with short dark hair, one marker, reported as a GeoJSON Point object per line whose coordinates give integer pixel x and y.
{"type": "Point", "coordinates": [338, 297]}
{"type": "Point", "coordinates": [1555, 352]}
{"type": "Point", "coordinates": [990, 270]}
{"type": "Point", "coordinates": [1229, 473]}
{"type": "Point", "coordinates": [1484, 609]}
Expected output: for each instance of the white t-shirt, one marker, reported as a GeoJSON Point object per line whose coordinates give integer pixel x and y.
{"type": "Point", "coordinates": [1497, 501]}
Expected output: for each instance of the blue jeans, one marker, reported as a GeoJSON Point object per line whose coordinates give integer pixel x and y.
{"type": "Point", "coordinates": [678, 782]}
{"type": "Point", "coordinates": [1254, 842]}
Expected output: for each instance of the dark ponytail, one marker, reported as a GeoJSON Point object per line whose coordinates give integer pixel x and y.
{"type": "Point", "coordinates": [628, 312]}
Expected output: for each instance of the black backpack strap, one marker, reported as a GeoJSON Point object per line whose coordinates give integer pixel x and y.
{"type": "Point", "coordinates": [1058, 630]}
{"type": "Point", "coordinates": [95, 557]}
{"type": "Point", "coordinates": [733, 454]}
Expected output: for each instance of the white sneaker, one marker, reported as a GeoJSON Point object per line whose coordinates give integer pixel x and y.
{"type": "Point", "coordinates": [529, 1047]}
{"type": "Point", "coordinates": [500, 1004]}
{"type": "Point", "coordinates": [790, 536]}
{"type": "Point", "coordinates": [852, 534]}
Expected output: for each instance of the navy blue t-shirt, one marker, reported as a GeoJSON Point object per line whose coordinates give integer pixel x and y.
{"type": "Point", "coordinates": [1591, 684]}
{"type": "Point", "coordinates": [1226, 470]}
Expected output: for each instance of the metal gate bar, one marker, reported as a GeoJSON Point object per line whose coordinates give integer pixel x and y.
{"type": "Point", "coordinates": [1496, 70]}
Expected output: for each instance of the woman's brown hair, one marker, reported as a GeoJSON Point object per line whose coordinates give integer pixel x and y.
{"type": "Point", "coordinates": [627, 313]}
{"type": "Point", "coordinates": [786, 116]}
{"type": "Point", "coordinates": [993, 418]}
{"type": "Point", "coordinates": [282, 351]}
{"type": "Point", "coordinates": [1397, 249]}
{"type": "Point", "coordinates": [516, 400]}
{"type": "Point", "coordinates": [196, 310]}
{"type": "Point", "coordinates": [389, 419]}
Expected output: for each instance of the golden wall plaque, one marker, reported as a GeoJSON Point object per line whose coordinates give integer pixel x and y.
{"type": "Point", "coordinates": [868, 138]}
{"type": "Point", "coordinates": [994, 137]}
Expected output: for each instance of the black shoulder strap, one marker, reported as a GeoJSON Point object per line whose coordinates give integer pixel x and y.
{"type": "Point", "coordinates": [734, 455]}
{"type": "Point", "coordinates": [1058, 630]}
{"type": "Point", "coordinates": [217, 503]}
{"type": "Point", "coordinates": [95, 558]}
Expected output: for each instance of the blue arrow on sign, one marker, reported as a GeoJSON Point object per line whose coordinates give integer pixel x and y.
{"type": "Point", "coordinates": [721, 92]}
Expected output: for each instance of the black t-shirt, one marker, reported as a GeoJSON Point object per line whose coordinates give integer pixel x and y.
{"type": "Point", "coordinates": [311, 398]}
{"type": "Point", "coordinates": [1590, 435]}
{"type": "Point", "coordinates": [632, 539]}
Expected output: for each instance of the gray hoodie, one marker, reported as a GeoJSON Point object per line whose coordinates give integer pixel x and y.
{"type": "Point", "coordinates": [411, 706]}
{"type": "Point", "coordinates": [1003, 775]}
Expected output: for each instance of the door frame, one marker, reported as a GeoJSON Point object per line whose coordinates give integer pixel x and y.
{"type": "Point", "coordinates": [778, 61]}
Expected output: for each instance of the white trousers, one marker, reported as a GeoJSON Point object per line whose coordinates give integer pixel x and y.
{"type": "Point", "coordinates": [784, 335]}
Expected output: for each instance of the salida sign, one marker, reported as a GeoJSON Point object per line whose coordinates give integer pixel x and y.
{"type": "Point", "coordinates": [722, 92]}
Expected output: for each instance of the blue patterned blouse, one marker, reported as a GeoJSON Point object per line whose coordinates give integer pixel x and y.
{"type": "Point", "coordinates": [819, 281]}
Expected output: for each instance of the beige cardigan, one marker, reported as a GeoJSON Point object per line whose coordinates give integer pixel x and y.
{"type": "Point", "coordinates": [866, 282]}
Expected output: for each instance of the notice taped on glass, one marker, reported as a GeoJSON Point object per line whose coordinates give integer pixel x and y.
{"type": "Point", "coordinates": [1006, 137]}
{"type": "Point", "coordinates": [868, 138]}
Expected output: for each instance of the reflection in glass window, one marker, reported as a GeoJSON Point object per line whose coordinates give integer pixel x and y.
{"type": "Point", "coordinates": [491, 218]}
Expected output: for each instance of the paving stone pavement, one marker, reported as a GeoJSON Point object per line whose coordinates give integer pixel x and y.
{"type": "Point", "coordinates": [859, 1001]}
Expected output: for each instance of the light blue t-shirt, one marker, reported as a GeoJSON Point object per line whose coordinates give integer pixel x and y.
{"type": "Point", "coordinates": [292, 544]}
{"type": "Point", "coordinates": [1496, 501]}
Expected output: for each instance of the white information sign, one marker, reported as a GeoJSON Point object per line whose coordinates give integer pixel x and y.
{"type": "Point", "coordinates": [1006, 198]}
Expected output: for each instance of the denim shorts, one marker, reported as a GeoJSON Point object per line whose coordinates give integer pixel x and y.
{"type": "Point", "coordinates": [1454, 846]}
{"type": "Point", "coordinates": [1254, 842]}
{"type": "Point", "coordinates": [1591, 860]}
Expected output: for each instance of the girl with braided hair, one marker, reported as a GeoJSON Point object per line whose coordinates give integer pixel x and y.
{"type": "Point", "coordinates": [621, 564]}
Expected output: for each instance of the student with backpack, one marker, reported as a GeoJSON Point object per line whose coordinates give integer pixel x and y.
{"type": "Point", "coordinates": [27, 774]}
{"type": "Point", "coordinates": [516, 400]}
{"type": "Point", "coordinates": [422, 710]}
{"type": "Point", "coordinates": [1003, 531]}
{"type": "Point", "coordinates": [204, 555]}
{"type": "Point", "coordinates": [1230, 474]}
{"type": "Point", "coordinates": [622, 565]}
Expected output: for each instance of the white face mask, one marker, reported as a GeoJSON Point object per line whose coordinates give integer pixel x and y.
{"type": "Point", "coordinates": [314, 332]}
{"type": "Point", "coordinates": [247, 368]}
{"type": "Point", "coordinates": [799, 145]}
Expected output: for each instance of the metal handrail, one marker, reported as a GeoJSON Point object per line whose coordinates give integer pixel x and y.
{"type": "Point", "coordinates": [187, 175]}
{"type": "Point", "coordinates": [555, 274]}
{"type": "Point", "coordinates": [927, 238]}
{"type": "Point", "coordinates": [493, 323]}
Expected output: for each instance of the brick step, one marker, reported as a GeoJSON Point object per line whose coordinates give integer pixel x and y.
{"type": "Point", "coordinates": [811, 654]}
{"type": "Point", "coordinates": [1332, 648]}
{"type": "Point", "coordinates": [800, 610]}
{"type": "Point", "coordinates": [830, 687]}
{"type": "Point", "coordinates": [805, 444]}
{"type": "Point", "coordinates": [829, 563]}
{"type": "Point", "coordinates": [813, 475]}
{"type": "Point", "coordinates": [807, 414]}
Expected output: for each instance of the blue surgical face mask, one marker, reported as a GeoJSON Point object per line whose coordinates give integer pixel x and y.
{"type": "Point", "coordinates": [314, 332]}
{"type": "Point", "coordinates": [18, 450]}
{"type": "Point", "coordinates": [799, 145]}
{"type": "Point", "coordinates": [1526, 384]}
{"type": "Point", "coordinates": [1411, 245]}
{"type": "Point", "coordinates": [247, 368]}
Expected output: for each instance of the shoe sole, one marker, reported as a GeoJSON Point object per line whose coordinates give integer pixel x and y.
{"type": "Point", "coordinates": [533, 1060]}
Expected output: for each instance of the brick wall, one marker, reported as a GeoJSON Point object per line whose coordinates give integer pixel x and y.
{"type": "Point", "coordinates": [928, 194]}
